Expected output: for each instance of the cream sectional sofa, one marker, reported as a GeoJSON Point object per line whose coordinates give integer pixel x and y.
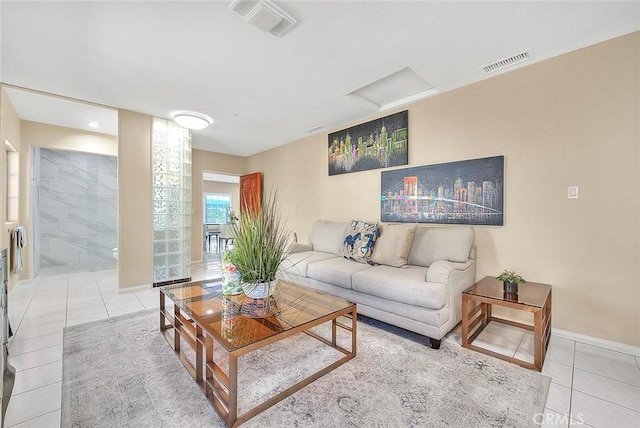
{"type": "Point", "coordinates": [419, 291]}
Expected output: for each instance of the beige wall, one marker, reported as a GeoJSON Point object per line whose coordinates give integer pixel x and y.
{"type": "Point", "coordinates": [61, 138]}
{"type": "Point", "coordinates": [135, 210]}
{"type": "Point", "coordinates": [9, 130]}
{"type": "Point", "coordinates": [571, 120]}
{"type": "Point", "coordinates": [204, 161]}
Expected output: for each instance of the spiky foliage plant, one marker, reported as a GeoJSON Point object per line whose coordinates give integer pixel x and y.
{"type": "Point", "coordinates": [261, 238]}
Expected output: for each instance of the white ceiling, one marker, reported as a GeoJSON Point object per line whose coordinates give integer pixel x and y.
{"type": "Point", "coordinates": [63, 112]}
{"type": "Point", "coordinates": [265, 91]}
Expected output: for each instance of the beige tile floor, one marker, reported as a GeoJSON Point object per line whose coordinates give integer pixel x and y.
{"type": "Point", "coordinates": [591, 386]}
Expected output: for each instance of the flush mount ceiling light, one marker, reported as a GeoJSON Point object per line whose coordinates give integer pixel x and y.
{"type": "Point", "coordinates": [264, 15]}
{"type": "Point", "coordinates": [192, 120]}
{"type": "Point", "coordinates": [398, 88]}
{"type": "Point", "coordinates": [93, 125]}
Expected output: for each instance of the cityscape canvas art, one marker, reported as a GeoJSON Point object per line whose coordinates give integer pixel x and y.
{"type": "Point", "coordinates": [379, 143]}
{"type": "Point", "coordinates": [464, 192]}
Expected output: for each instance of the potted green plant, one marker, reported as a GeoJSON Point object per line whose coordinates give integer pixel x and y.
{"type": "Point", "coordinates": [260, 238]}
{"type": "Point", "coordinates": [510, 281]}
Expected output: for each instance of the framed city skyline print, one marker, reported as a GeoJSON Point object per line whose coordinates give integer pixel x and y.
{"type": "Point", "coordinates": [463, 192]}
{"type": "Point", "coordinates": [380, 143]}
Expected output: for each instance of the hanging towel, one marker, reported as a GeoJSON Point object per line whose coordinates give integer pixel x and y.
{"type": "Point", "coordinates": [19, 241]}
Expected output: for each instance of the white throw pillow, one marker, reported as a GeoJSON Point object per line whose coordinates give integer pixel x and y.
{"type": "Point", "coordinates": [440, 243]}
{"type": "Point", "coordinates": [328, 236]}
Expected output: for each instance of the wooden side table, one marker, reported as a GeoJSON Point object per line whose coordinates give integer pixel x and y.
{"type": "Point", "coordinates": [478, 300]}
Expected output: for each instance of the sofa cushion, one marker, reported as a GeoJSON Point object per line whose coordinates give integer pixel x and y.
{"type": "Point", "coordinates": [336, 271]}
{"type": "Point", "coordinates": [298, 263]}
{"type": "Point", "coordinates": [359, 241]}
{"type": "Point", "coordinates": [328, 236]}
{"type": "Point", "coordinates": [393, 245]}
{"type": "Point", "coordinates": [401, 285]}
{"type": "Point", "coordinates": [441, 243]}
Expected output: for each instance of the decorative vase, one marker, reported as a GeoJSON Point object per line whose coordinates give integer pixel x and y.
{"type": "Point", "coordinates": [510, 297]}
{"type": "Point", "coordinates": [259, 290]}
{"type": "Point", "coordinates": [510, 287]}
{"type": "Point", "coordinates": [231, 283]}
{"type": "Point", "coordinates": [259, 308]}
{"type": "Point", "coordinates": [230, 310]}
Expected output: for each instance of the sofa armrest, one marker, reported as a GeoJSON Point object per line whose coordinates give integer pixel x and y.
{"type": "Point", "coordinates": [297, 247]}
{"type": "Point", "coordinates": [441, 270]}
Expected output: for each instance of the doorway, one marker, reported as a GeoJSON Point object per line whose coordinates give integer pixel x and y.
{"type": "Point", "coordinates": [220, 201]}
{"type": "Point", "coordinates": [74, 215]}
{"type": "Point", "coordinates": [71, 150]}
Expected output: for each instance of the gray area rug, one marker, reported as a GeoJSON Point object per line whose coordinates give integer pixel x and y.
{"type": "Point", "coordinates": [121, 372]}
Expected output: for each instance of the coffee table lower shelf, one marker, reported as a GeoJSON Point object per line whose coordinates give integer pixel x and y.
{"type": "Point", "coordinates": [222, 389]}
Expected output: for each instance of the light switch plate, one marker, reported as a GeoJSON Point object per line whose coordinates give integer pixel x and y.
{"type": "Point", "coordinates": [573, 192]}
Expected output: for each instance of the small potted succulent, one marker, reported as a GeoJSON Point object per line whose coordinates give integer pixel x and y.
{"type": "Point", "coordinates": [510, 281]}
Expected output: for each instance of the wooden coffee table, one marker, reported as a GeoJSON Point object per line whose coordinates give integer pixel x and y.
{"type": "Point", "coordinates": [201, 315]}
{"type": "Point", "coordinates": [532, 297]}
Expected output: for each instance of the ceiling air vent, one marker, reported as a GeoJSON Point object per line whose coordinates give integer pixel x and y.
{"type": "Point", "coordinates": [243, 7]}
{"type": "Point", "coordinates": [507, 62]}
{"type": "Point", "coordinates": [264, 15]}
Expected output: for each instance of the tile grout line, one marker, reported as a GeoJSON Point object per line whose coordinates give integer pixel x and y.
{"type": "Point", "coordinates": [610, 402]}
{"type": "Point", "coordinates": [610, 378]}
{"type": "Point", "coordinates": [573, 370]}
{"type": "Point", "coordinates": [101, 295]}
{"type": "Point", "coordinates": [35, 417]}
{"type": "Point", "coordinates": [36, 350]}
{"type": "Point", "coordinates": [41, 386]}
{"type": "Point", "coordinates": [519, 344]}
{"type": "Point", "coordinates": [23, 313]}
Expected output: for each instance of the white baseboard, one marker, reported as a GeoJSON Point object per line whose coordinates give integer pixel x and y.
{"type": "Point", "coordinates": [596, 341]}
{"type": "Point", "coordinates": [134, 289]}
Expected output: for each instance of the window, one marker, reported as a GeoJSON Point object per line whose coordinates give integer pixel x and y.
{"type": "Point", "coordinates": [216, 208]}
{"type": "Point", "coordinates": [12, 180]}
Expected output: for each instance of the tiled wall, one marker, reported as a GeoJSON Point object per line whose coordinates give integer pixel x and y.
{"type": "Point", "coordinates": [77, 211]}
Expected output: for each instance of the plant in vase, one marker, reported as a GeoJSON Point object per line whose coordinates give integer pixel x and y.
{"type": "Point", "coordinates": [260, 238]}
{"type": "Point", "coordinates": [510, 281]}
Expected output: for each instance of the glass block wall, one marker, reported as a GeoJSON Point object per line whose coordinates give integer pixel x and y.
{"type": "Point", "coordinates": [171, 157]}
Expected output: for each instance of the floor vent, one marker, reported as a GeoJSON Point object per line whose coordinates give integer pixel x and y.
{"type": "Point", "coordinates": [507, 62]}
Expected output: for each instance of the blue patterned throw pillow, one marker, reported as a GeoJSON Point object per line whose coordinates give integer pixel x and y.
{"type": "Point", "coordinates": [358, 244]}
